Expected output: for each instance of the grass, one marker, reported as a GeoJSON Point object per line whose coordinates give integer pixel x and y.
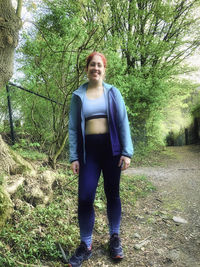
{"type": "Point", "coordinates": [33, 235]}
{"type": "Point", "coordinates": [31, 155]}
{"type": "Point", "coordinates": [29, 150]}
{"type": "Point", "coordinates": [173, 205]}
{"type": "Point", "coordinates": [152, 158]}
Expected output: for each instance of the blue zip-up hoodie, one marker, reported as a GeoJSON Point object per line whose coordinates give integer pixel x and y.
{"type": "Point", "coordinates": [117, 120]}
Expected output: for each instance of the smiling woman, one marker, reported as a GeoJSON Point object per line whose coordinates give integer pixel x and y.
{"type": "Point", "coordinates": [99, 138]}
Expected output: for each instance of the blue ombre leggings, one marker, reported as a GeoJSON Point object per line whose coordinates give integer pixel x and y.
{"type": "Point", "coordinates": [98, 158]}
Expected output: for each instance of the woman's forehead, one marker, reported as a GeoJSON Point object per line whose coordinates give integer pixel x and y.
{"type": "Point", "coordinates": [96, 58]}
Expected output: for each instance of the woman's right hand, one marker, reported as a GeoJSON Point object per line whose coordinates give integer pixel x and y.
{"type": "Point", "coordinates": [75, 167]}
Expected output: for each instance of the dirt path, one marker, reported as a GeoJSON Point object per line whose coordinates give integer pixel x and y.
{"type": "Point", "coordinates": [150, 235]}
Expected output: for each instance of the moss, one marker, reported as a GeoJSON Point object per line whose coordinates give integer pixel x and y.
{"type": "Point", "coordinates": [22, 165]}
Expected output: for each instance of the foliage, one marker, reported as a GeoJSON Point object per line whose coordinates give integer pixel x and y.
{"type": "Point", "coordinates": [177, 115]}
{"type": "Point", "coordinates": [196, 111]}
{"type": "Point", "coordinates": [53, 57]}
{"type": "Point", "coordinates": [145, 43]}
{"type": "Point", "coordinates": [33, 234]}
{"type": "Point", "coordinates": [153, 43]}
{"type": "Point", "coordinates": [29, 150]}
{"type": "Point", "coordinates": [195, 107]}
{"type": "Point", "coordinates": [31, 154]}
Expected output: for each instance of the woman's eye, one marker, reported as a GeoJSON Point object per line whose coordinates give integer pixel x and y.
{"type": "Point", "coordinates": [93, 64]}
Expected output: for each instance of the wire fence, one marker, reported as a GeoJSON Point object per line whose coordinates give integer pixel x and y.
{"type": "Point", "coordinates": [10, 110]}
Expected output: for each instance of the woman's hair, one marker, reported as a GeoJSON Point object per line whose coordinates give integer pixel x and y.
{"type": "Point", "coordinates": [89, 58]}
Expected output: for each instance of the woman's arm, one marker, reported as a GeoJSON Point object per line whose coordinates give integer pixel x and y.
{"type": "Point", "coordinates": [73, 129]}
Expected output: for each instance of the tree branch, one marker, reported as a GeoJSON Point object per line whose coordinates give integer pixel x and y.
{"type": "Point", "coordinates": [19, 8]}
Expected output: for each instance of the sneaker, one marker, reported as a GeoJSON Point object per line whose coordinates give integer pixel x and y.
{"type": "Point", "coordinates": [115, 248]}
{"type": "Point", "coordinates": [81, 254]}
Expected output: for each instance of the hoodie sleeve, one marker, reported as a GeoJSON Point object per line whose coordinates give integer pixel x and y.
{"type": "Point", "coordinates": [73, 128]}
{"type": "Point", "coordinates": [123, 125]}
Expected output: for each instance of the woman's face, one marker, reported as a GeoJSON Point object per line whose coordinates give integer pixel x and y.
{"type": "Point", "coordinates": [96, 70]}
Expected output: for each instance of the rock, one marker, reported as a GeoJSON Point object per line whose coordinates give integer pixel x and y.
{"type": "Point", "coordinates": [22, 205]}
{"type": "Point", "coordinates": [12, 187]}
{"type": "Point", "coordinates": [164, 235]}
{"type": "Point", "coordinates": [173, 255]}
{"type": "Point", "coordinates": [179, 220]}
{"type": "Point", "coordinates": [139, 217]}
{"type": "Point", "coordinates": [160, 251]}
{"type": "Point", "coordinates": [136, 235]}
{"type": "Point", "coordinates": [39, 189]}
{"type": "Point", "coordinates": [141, 244]}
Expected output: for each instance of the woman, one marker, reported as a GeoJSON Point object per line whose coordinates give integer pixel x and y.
{"type": "Point", "coordinates": [100, 140]}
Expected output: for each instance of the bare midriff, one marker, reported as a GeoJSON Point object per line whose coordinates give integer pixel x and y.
{"type": "Point", "coordinates": [96, 126]}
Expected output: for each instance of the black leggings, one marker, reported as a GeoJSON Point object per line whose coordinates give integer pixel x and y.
{"type": "Point", "coordinates": [98, 158]}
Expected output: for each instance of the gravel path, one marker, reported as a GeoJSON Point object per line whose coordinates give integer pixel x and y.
{"type": "Point", "coordinates": [178, 194]}
{"type": "Point", "coordinates": [151, 234]}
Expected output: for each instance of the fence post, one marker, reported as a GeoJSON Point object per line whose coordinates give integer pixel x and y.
{"type": "Point", "coordinates": [10, 116]}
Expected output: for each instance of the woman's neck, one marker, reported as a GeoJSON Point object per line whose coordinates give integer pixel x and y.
{"type": "Point", "coordinates": [95, 85]}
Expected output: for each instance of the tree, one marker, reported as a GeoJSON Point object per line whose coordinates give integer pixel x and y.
{"type": "Point", "coordinates": [145, 43]}
{"type": "Point", "coordinates": [53, 63]}
{"type": "Point", "coordinates": [10, 24]}
{"type": "Point", "coordinates": [155, 38]}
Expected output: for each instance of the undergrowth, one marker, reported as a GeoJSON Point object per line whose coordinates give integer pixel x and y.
{"type": "Point", "coordinates": [33, 235]}
{"type": "Point", "coordinates": [29, 150]}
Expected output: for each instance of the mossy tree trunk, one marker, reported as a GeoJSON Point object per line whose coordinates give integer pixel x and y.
{"type": "Point", "coordinates": [10, 24]}
{"type": "Point", "coordinates": [11, 163]}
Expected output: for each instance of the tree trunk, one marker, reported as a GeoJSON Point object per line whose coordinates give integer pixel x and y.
{"type": "Point", "coordinates": [10, 24]}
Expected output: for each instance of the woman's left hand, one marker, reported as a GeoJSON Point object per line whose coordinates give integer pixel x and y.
{"type": "Point", "coordinates": [124, 162]}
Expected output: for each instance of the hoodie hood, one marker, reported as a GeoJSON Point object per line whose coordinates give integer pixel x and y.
{"type": "Point", "coordinates": [82, 89]}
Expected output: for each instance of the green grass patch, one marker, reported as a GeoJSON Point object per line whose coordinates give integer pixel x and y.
{"type": "Point", "coordinates": [29, 150]}
{"type": "Point", "coordinates": [134, 187]}
{"type": "Point", "coordinates": [152, 158]}
{"type": "Point", "coordinates": [172, 205]}
{"type": "Point", "coordinates": [31, 155]}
